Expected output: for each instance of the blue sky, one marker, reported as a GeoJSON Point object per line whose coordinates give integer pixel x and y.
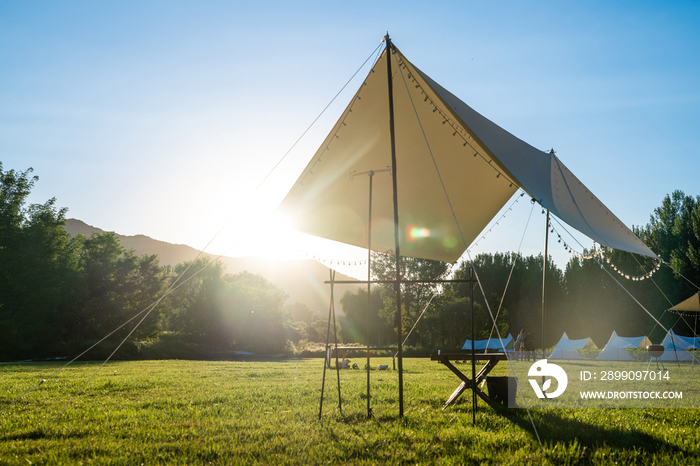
{"type": "Point", "coordinates": [162, 118]}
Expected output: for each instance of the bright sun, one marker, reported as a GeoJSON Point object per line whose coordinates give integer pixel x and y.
{"type": "Point", "coordinates": [270, 235]}
{"type": "Point", "coordinates": [257, 232]}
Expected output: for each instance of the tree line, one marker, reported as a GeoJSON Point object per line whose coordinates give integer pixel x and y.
{"type": "Point", "coordinates": [60, 294]}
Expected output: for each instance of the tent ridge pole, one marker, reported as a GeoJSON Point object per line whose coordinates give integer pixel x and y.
{"type": "Point", "coordinates": [397, 252]}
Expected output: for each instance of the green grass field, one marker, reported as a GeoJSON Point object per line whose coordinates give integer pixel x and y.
{"type": "Point", "coordinates": [266, 412]}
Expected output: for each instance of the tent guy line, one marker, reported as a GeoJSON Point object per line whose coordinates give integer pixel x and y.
{"type": "Point", "coordinates": [510, 274]}
{"type": "Point", "coordinates": [176, 283]}
{"type": "Point", "coordinates": [374, 52]}
{"type": "Point", "coordinates": [148, 309]}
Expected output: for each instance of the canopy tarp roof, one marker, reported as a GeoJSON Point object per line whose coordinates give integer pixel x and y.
{"type": "Point", "coordinates": [455, 171]}
{"type": "Point", "coordinates": [689, 305]}
{"type": "Point", "coordinates": [490, 343]}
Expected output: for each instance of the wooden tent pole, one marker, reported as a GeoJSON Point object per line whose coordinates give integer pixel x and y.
{"type": "Point", "coordinates": [397, 252]}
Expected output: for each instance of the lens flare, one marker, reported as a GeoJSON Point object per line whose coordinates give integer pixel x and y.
{"type": "Point", "coordinates": [415, 232]}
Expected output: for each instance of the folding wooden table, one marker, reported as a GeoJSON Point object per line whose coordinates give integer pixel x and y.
{"type": "Point", "coordinates": [491, 360]}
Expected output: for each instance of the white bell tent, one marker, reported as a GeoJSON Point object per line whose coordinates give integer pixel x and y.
{"type": "Point", "coordinates": [676, 347]}
{"type": "Point", "coordinates": [568, 349]}
{"type": "Point", "coordinates": [617, 346]}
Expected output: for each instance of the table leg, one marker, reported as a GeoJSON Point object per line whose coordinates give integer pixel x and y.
{"type": "Point", "coordinates": [466, 382]}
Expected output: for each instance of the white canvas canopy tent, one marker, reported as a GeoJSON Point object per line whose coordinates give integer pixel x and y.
{"type": "Point", "coordinates": [489, 343]}
{"type": "Point", "coordinates": [676, 347]}
{"type": "Point", "coordinates": [435, 173]}
{"type": "Point", "coordinates": [567, 348]}
{"type": "Point", "coordinates": [454, 171]}
{"type": "Point", "coordinates": [617, 346]}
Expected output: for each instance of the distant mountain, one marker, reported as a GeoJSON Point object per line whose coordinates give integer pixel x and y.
{"type": "Point", "coordinates": [303, 280]}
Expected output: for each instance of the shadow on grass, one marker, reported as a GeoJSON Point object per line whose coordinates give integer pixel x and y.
{"type": "Point", "coordinates": [555, 427]}
{"type": "Point", "coordinates": [381, 416]}
{"type": "Point", "coordinates": [41, 434]}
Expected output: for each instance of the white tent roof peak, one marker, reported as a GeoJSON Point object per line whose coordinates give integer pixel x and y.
{"type": "Point", "coordinates": [455, 170]}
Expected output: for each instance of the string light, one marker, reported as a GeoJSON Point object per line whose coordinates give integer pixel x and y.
{"type": "Point", "coordinates": [333, 261]}
{"type": "Point", "coordinates": [599, 253]}
{"type": "Point", "coordinates": [446, 119]}
{"type": "Point", "coordinates": [498, 222]}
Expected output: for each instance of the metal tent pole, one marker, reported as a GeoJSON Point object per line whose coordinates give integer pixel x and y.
{"type": "Point", "coordinates": [335, 336]}
{"type": "Point", "coordinates": [369, 280]}
{"type": "Point", "coordinates": [397, 252]}
{"type": "Point", "coordinates": [471, 298]}
{"type": "Point", "coordinates": [544, 281]}
{"type": "Point", "coordinates": [695, 335]}
{"type": "Point", "coordinates": [327, 356]}
{"type": "Point", "coordinates": [371, 174]}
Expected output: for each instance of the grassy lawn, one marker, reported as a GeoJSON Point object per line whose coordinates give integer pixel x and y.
{"type": "Point", "coordinates": [266, 412]}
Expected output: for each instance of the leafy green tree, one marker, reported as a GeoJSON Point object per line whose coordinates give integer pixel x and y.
{"type": "Point", "coordinates": [229, 312]}
{"type": "Point", "coordinates": [414, 297]}
{"type": "Point", "coordinates": [115, 285]}
{"type": "Point", "coordinates": [455, 309]}
{"type": "Point", "coordinates": [516, 280]}
{"type": "Point", "coordinates": [318, 330]}
{"type": "Point", "coordinates": [196, 303]}
{"type": "Point", "coordinates": [39, 268]}
{"type": "Point", "coordinates": [301, 319]}
{"type": "Point", "coordinates": [673, 233]}
{"type": "Point", "coordinates": [300, 312]}
{"type": "Point", "coordinates": [356, 320]}
{"type": "Point", "coordinates": [597, 305]}
{"type": "Point", "coordinates": [259, 314]}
